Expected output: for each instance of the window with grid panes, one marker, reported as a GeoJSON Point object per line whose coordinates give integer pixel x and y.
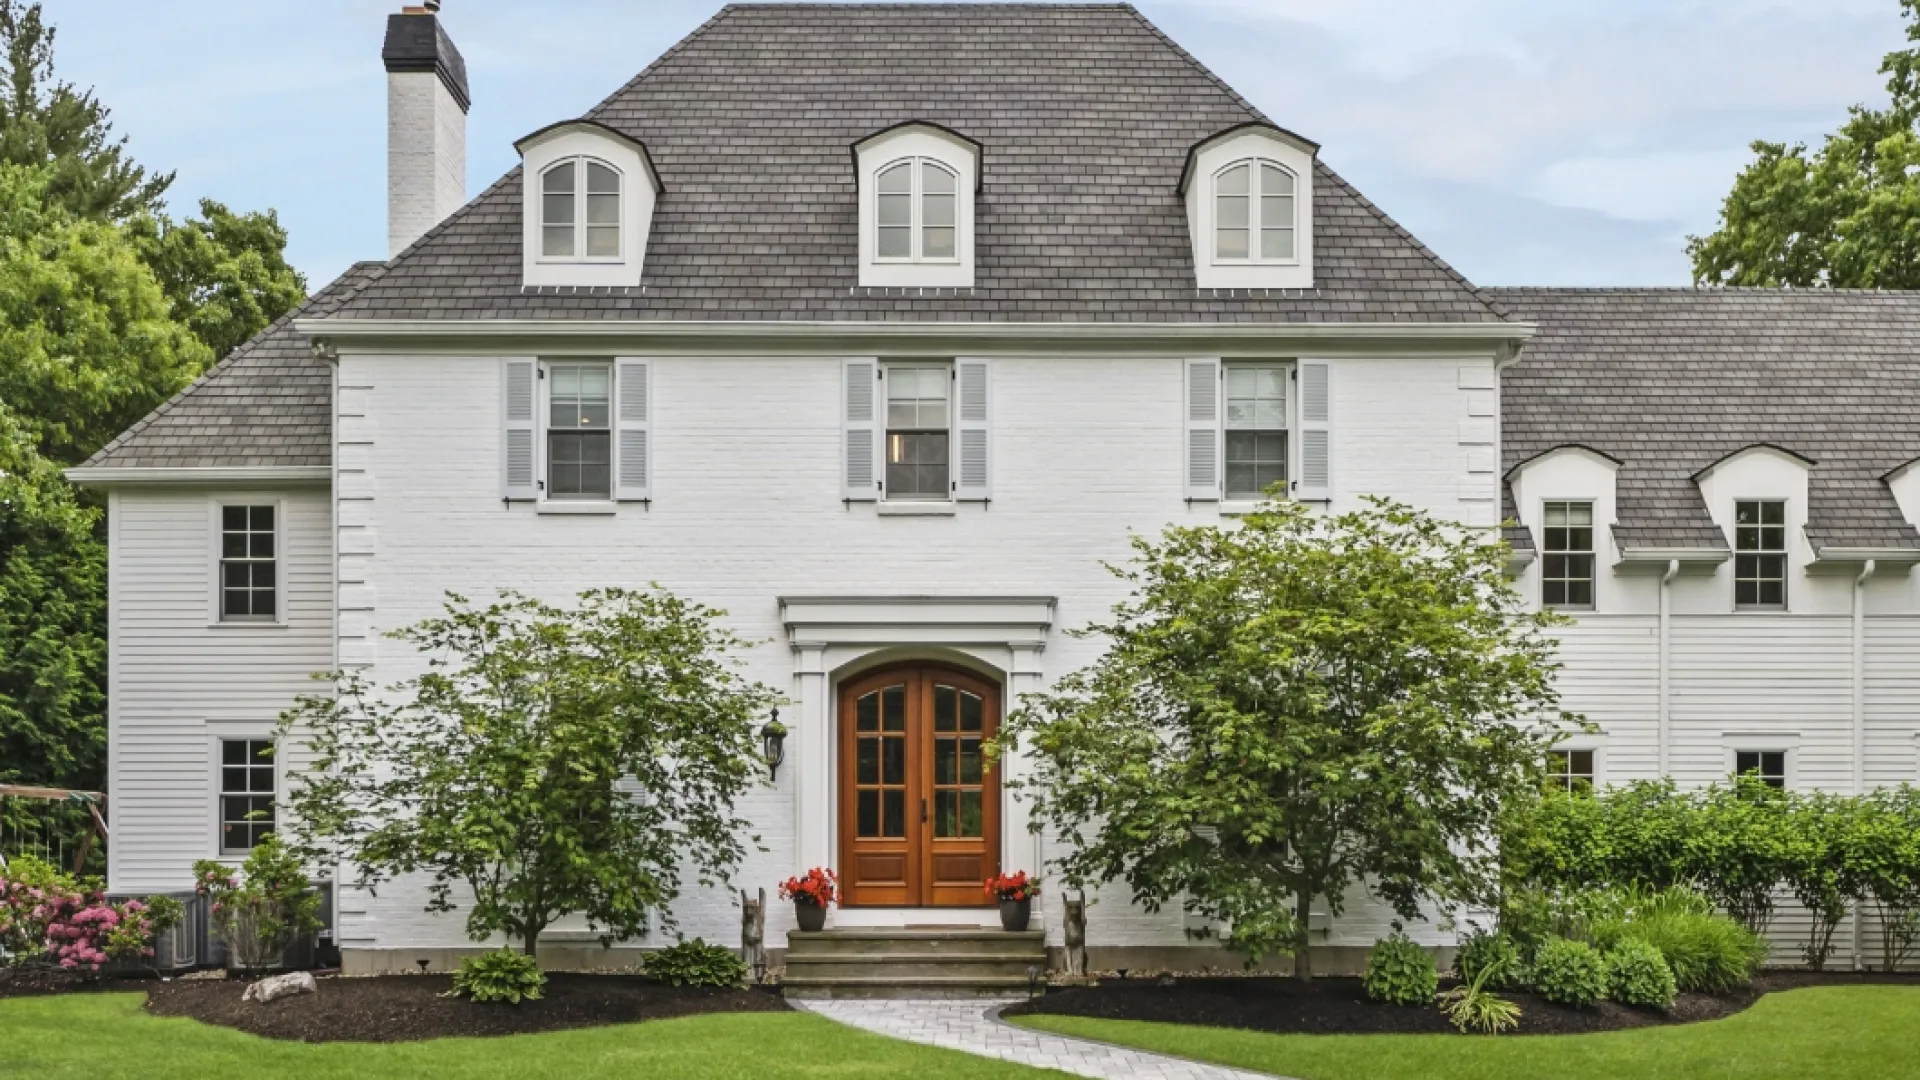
{"type": "Point", "coordinates": [1253, 211]}
{"type": "Point", "coordinates": [1769, 766]}
{"type": "Point", "coordinates": [246, 793]}
{"type": "Point", "coordinates": [580, 210]}
{"type": "Point", "coordinates": [917, 212]}
{"type": "Point", "coordinates": [1760, 554]}
{"type": "Point", "coordinates": [248, 566]}
{"type": "Point", "coordinates": [1566, 565]}
{"type": "Point", "coordinates": [1256, 428]}
{"type": "Point", "coordinates": [1570, 770]}
{"type": "Point", "coordinates": [579, 431]}
{"type": "Point", "coordinates": [917, 431]}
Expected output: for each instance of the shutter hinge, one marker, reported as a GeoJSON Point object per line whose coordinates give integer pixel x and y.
{"type": "Point", "coordinates": [542, 372]}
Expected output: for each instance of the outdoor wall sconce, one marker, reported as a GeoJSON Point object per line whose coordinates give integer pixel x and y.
{"type": "Point", "coordinates": [773, 738]}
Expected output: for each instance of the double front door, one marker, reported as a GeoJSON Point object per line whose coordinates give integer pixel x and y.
{"type": "Point", "coordinates": [919, 802]}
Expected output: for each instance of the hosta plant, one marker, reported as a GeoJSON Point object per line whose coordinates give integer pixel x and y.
{"type": "Point", "coordinates": [1400, 972]}
{"type": "Point", "coordinates": [696, 963]}
{"type": "Point", "coordinates": [499, 977]}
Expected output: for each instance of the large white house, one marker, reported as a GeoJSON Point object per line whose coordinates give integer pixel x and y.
{"type": "Point", "coordinates": [881, 328]}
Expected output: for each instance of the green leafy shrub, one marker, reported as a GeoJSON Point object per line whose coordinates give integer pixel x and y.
{"type": "Point", "coordinates": [500, 976]}
{"type": "Point", "coordinates": [269, 907]}
{"type": "Point", "coordinates": [1569, 972]}
{"type": "Point", "coordinates": [1400, 972]}
{"type": "Point", "coordinates": [1637, 974]}
{"type": "Point", "coordinates": [1708, 952]}
{"type": "Point", "coordinates": [1471, 1006]}
{"type": "Point", "coordinates": [696, 963]}
{"type": "Point", "coordinates": [1495, 952]}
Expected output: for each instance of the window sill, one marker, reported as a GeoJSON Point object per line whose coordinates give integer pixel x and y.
{"type": "Point", "coordinates": [589, 509]}
{"type": "Point", "coordinates": [1238, 507]}
{"type": "Point", "coordinates": [929, 508]}
{"type": "Point", "coordinates": [247, 624]}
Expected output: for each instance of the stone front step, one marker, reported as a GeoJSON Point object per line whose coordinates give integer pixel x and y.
{"type": "Point", "coordinates": [880, 962]}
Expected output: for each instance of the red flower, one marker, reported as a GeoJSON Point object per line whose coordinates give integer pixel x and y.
{"type": "Point", "coordinates": [1014, 886]}
{"type": "Point", "coordinates": [817, 888]}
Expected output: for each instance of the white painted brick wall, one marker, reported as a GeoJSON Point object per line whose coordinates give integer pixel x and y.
{"type": "Point", "coordinates": [426, 156]}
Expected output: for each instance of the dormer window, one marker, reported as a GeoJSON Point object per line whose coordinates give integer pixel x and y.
{"type": "Point", "coordinates": [1249, 193]}
{"type": "Point", "coordinates": [918, 213]}
{"type": "Point", "coordinates": [1254, 213]}
{"type": "Point", "coordinates": [580, 210]}
{"type": "Point", "coordinates": [917, 182]}
{"type": "Point", "coordinates": [587, 200]}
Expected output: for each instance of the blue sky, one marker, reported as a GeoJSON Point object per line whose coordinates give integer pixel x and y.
{"type": "Point", "coordinates": [1564, 142]}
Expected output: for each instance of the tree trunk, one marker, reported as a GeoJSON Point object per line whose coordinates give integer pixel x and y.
{"type": "Point", "coordinates": [1302, 950]}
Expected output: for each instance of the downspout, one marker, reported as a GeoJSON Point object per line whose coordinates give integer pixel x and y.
{"type": "Point", "coordinates": [1860, 719]}
{"type": "Point", "coordinates": [1662, 737]}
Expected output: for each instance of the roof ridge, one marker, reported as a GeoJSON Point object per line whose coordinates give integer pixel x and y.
{"type": "Point", "coordinates": [240, 352]}
{"type": "Point", "coordinates": [1400, 231]}
{"type": "Point", "coordinates": [1675, 290]}
{"type": "Point", "coordinates": [1193, 61]}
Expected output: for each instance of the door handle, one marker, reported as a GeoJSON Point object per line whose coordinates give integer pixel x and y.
{"type": "Point", "coordinates": [923, 811]}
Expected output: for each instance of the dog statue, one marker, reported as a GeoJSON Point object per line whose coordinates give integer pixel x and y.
{"type": "Point", "coordinates": [753, 932]}
{"type": "Point", "coordinates": [1075, 930]}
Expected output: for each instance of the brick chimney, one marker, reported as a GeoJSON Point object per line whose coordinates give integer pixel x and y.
{"type": "Point", "coordinates": [426, 124]}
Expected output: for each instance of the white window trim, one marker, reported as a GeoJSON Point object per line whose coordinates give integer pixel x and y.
{"type": "Point", "coordinates": [215, 503]}
{"type": "Point", "coordinates": [1785, 552]}
{"type": "Point", "coordinates": [945, 148]}
{"type": "Point", "coordinates": [1593, 579]}
{"type": "Point", "coordinates": [1256, 214]}
{"type": "Point", "coordinates": [221, 732]}
{"type": "Point", "coordinates": [578, 163]}
{"type": "Point", "coordinates": [1734, 744]}
{"type": "Point", "coordinates": [917, 505]}
{"type": "Point", "coordinates": [1587, 744]}
{"type": "Point", "coordinates": [916, 225]}
{"type": "Point", "coordinates": [543, 413]}
{"type": "Point", "coordinates": [1239, 506]}
{"type": "Point", "coordinates": [639, 190]}
{"type": "Point", "coordinates": [1239, 144]}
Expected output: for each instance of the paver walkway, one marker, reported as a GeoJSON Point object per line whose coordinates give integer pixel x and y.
{"type": "Point", "coordinates": [973, 1025]}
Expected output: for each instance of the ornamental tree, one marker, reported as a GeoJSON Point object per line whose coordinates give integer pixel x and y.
{"type": "Point", "coordinates": [549, 761]}
{"type": "Point", "coordinates": [1294, 708]}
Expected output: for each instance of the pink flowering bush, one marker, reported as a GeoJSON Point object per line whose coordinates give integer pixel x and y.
{"type": "Point", "coordinates": [51, 918]}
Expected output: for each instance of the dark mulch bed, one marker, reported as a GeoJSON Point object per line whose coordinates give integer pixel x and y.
{"type": "Point", "coordinates": [28, 982]}
{"type": "Point", "coordinates": [1336, 1006]}
{"type": "Point", "coordinates": [401, 1008]}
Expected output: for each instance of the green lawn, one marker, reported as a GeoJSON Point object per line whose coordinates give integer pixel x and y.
{"type": "Point", "coordinates": [106, 1036]}
{"type": "Point", "coordinates": [1842, 1032]}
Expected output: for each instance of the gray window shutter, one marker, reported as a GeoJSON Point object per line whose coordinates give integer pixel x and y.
{"type": "Point", "coordinates": [1203, 429]}
{"type": "Point", "coordinates": [1316, 432]}
{"type": "Point", "coordinates": [634, 464]}
{"type": "Point", "coordinates": [861, 438]}
{"type": "Point", "coordinates": [972, 478]}
{"type": "Point", "coordinates": [518, 401]}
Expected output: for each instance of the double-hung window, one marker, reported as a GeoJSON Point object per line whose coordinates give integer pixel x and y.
{"type": "Point", "coordinates": [918, 428]}
{"type": "Point", "coordinates": [1571, 770]}
{"type": "Point", "coordinates": [1767, 766]}
{"type": "Point", "coordinates": [1256, 429]}
{"type": "Point", "coordinates": [1760, 554]}
{"type": "Point", "coordinates": [1566, 570]}
{"type": "Point", "coordinates": [246, 793]}
{"type": "Point", "coordinates": [579, 431]}
{"type": "Point", "coordinates": [249, 569]}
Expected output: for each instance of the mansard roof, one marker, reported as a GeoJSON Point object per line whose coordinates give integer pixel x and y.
{"type": "Point", "coordinates": [1084, 115]}
{"type": "Point", "coordinates": [268, 404]}
{"type": "Point", "coordinates": [1670, 381]}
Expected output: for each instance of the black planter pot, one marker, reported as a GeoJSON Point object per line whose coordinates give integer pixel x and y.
{"type": "Point", "coordinates": [1015, 913]}
{"type": "Point", "coordinates": [812, 917]}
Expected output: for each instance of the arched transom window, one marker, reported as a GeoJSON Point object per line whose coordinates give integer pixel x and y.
{"type": "Point", "coordinates": [580, 210]}
{"type": "Point", "coordinates": [917, 216]}
{"type": "Point", "coordinates": [1253, 213]}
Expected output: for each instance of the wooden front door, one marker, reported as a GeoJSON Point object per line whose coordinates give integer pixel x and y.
{"type": "Point", "coordinates": [919, 803]}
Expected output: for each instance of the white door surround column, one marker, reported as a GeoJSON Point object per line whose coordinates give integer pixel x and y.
{"type": "Point", "coordinates": [836, 636]}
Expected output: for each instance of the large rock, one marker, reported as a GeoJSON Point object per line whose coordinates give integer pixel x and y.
{"type": "Point", "coordinates": [295, 982]}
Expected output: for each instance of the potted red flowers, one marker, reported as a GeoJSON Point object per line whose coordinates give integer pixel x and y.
{"type": "Point", "coordinates": [811, 894]}
{"type": "Point", "coordinates": [1015, 892]}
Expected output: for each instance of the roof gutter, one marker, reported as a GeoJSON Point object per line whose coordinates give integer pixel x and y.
{"type": "Point", "coordinates": [340, 330]}
{"type": "Point", "coordinates": [1868, 555]}
{"type": "Point", "coordinates": [1674, 556]}
{"type": "Point", "coordinates": [108, 476]}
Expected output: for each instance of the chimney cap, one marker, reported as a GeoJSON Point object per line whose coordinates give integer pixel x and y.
{"type": "Point", "coordinates": [417, 42]}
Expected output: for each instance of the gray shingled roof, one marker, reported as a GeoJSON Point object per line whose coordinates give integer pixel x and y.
{"type": "Point", "coordinates": [1085, 115]}
{"type": "Point", "coordinates": [1670, 381]}
{"type": "Point", "coordinates": [267, 403]}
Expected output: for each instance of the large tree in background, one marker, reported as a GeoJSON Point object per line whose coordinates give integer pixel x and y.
{"type": "Point", "coordinates": [225, 275]}
{"type": "Point", "coordinates": [52, 639]}
{"type": "Point", "coordinates": [1845, 216]}
{"type": "Point", "coordinates": [1293, 709]}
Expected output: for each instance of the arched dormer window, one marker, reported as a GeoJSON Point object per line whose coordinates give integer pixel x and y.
{"type": "Point", "coordinates": [1255, 217]}
{"type": "Point", "coordinates": [580, 210]}
{"type": "Point", "coordinates": [917, 215]}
